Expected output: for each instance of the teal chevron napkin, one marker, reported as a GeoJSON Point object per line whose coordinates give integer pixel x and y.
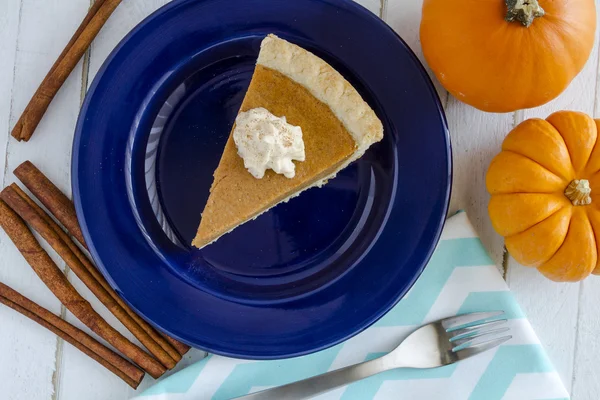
{"type": "Point", "coordinates": [460, 278]}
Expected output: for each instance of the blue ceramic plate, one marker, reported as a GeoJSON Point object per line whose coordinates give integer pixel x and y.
{"type": "Point", "coordinates": [304, 276]}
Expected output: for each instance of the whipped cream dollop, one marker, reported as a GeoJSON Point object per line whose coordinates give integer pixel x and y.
{"type": "Point", "coordinates": [265, 141]}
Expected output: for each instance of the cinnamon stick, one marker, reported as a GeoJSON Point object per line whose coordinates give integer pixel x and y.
{"type": "Point", "coordinates": [62, 68]}
{"type": "Point", "coordinates": [125, 370]}
{"type": "Point", "coordinates": [138, 322]}
{"type": "Point", "coordinates": [33, 215]}
{"type": "Point", "coordinates": [62, 208]}
{"type": "Point", "coordinates": [180, 347]}
{"type": "Point", "coordinates": [56, 281]}
{"type": "Point", "coordinates": [51, 197]}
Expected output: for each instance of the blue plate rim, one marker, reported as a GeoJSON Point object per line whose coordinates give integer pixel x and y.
{"type": "Point", "coordinates": [385, 309]}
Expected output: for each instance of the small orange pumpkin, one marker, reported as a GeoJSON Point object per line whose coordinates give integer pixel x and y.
{"type": "Point", "coordinates": [545, 187]}
{"type": "Point", "coordinates": [501, 57]}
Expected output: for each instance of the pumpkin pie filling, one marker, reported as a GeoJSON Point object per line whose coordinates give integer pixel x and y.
{"type": "Point", "coordinates": [236, 196]}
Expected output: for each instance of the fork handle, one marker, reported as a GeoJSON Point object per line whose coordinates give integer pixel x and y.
{"type": "Point", "coordinates": [323, 383]}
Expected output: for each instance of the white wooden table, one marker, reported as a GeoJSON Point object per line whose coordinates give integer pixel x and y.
{"type": "Point", "coordinates": [34, 364]}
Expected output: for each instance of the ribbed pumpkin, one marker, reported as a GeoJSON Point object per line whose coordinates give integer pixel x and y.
{"type": "Point", "coordinates": [545, 187]}
{"type": "Point", "coordinates": [503, 56]}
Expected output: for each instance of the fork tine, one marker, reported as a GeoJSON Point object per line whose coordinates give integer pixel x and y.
{"type": "Point", "coordinates": [466, 319]}
{"type": "Point", "coordinates": [476, 339]}
{"type": "Point", "coordinates": [481, 347]}
{"type": "Point", "coordinates": [475, 329]}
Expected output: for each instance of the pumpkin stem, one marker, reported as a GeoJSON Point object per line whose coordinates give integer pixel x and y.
{"type": "Point", "coordinates": [578, 192]}
{"type": "Point", "coordinates": [524, 11]}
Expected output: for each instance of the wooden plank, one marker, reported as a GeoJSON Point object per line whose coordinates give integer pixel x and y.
{"type": "Point", "coordinates": [476, 139]}
{"type": "Point", "coordinates": [372, 5]}
{"type": "Point", "coordinates": [404, 16]}
{"type": "Point", "coordinates": [9, 28]}
{"type": "Point", "coordinates": [475, 135]}
{"type": "Point", "coordinates": [552, 311]}
{"type": "Point", "coordinates": [124, 19]}
{"type": "Point", "coordinates": [553, 308]}
{"type": "Point", "coordinates": [30, 352]}
{"type": "Point", "coordinates": [40, 42]}
{"type": "Point", "coordinates": [585, 385]}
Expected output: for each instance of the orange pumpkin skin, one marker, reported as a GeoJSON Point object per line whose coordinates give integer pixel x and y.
{"type": "Point", "coordinates": [529, 205]}
{"type": "Point", "coordinates": [500, 66]}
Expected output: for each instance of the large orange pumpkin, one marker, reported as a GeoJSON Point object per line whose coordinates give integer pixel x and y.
{"type": "Point", "coordinates": [545, 187]}
{"type": "Point", "coordinates": [503, 57]}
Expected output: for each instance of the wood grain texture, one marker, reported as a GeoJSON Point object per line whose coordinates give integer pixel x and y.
{"type": "Point", "coordinates": [30, 350]}
{"type": "Point", "coordinates": [9, 29]}
{"type": "Point", "coordinates": [125, 18]}
{"type": "Point", "coordinates": [552, 311]}
{"type": "Point", "coordinates": [404, 16]}
{"type": "Point", "coordinates": [476, 139]}
{"type": "Point", "coordinates": [585, 384]}
{"type": "Point", "coordinates": [554, 308]}
{"type": "Point", "coordinates": [46, 26]}
{"type": "Point", "coordinates": [63, 67]}
{"type": "Point", "coordinates": [372, 5]}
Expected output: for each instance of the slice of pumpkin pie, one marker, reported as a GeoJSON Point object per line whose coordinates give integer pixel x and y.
{"type": "Point", "coordinates": [299, 124]}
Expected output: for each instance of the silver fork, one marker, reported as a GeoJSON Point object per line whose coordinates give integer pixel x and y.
{"type": "Point", "coordinates": [440, 343]}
